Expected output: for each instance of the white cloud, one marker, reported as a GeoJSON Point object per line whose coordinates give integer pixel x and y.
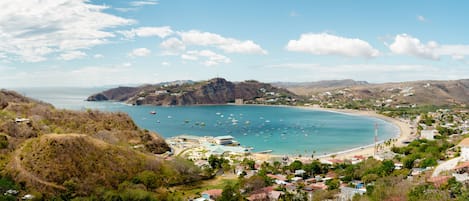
{"type": "Point", "coordinates": [98, 56]}
{"type": "Point", "coordinates": [127, 64]}
{"type": "Point", "coordinates": [453, 50]}
{"type": "Point", "coordinates": [143, 3]}
{"type": "Point", "coordinates": [71, 55]}
{"type": "Point", "coordinates": [407, 45]}
{"type": "Point", "coordinates": [228, 45]}
{"type": "Point", "coordinates": [173, 46]}
{"type": "Point", "coordinates": [189, 57]}
{"type": "Point", "coordinates": [140, 52]}
{"type": "Point", "coordinates": [327, 44]}
{"type": "Point", "coordinates": [124, 10]}
{"type": "Point", "coordinates": [161, 32]}
{"type": "Point", "coordinates": [211, 58]}
{"type": "Point", "coordinates": [421, 18]}
{"type": "Point", "coordinates": [32, 30]}
{"type": "Point", "coordinates": [165, 63]}
{"type": "Point", "coordinates": [458, 57]}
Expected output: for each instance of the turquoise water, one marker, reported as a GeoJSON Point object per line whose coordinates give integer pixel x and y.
{"type": "Point", "coordinates": [285, 130]}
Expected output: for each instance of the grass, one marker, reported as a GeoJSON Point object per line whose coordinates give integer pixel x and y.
{"type": "Point", "coordinates": [195, 189]}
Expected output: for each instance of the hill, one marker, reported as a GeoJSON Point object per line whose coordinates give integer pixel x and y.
{"type": "Point", "coordinates": [426, 92]}
{"type": "Point", "coordinates": [58, 162]}
{"type": "Point", "coordinates": [214, 91]}
{"type": "Point", "coordinates": [41, 118]}
{"type": "Point", "coordinates": [62, 152]}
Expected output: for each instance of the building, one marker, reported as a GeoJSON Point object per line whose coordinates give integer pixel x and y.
{"type": "Point", "coordinates": [428, 134]}
{"type": "Point", "coordinates": [212, 194]}
{"type": "Point", "coordinates": [224, 140]}
{"type": "Point", "coordinates": [347, 193]}
{"type": "Point", "coordinates": [239, 101]}
{"type": "Point", "coordinates": [464, 144]}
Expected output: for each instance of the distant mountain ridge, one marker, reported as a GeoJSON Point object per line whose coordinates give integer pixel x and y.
{"type": "Point", "coordinates": [213, 91]}
{"type": "Point", "coordinates": [424, 92]}
{"type": "Point", "coordinates": [321, 84]}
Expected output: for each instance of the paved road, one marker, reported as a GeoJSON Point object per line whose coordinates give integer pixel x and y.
{"type": "Point", "coordinates": [447, 165]}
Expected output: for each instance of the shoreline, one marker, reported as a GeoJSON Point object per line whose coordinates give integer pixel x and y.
{"type": "Point", "coordinates": [404, 135]}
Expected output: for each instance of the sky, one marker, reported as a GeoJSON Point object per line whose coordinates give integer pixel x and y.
{"type": "Point", "coordinates": [90, 43]}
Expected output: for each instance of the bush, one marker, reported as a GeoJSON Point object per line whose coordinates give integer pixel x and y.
{"type": "Point", "coordinates": [147, 178]}
{"type": "Point", "coordinates": [3, 142]}
{"type": "Point", "coordinates": [428, 162]}
{"type": "Point", "coordinates": [332, 184]}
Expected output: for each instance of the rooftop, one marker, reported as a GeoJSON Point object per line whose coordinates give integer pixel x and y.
{"type": "Point", "coordinates": [224, 137]}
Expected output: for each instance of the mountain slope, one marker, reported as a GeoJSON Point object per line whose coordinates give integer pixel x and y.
{"type": "Point", "coordinates": [426, 92]}
{"type": "Point", "coordinates": [214, 91]}
{"type": "Point", "coordinates": [86, 151]}
{"type": "Point", "coordinates": [57, 162]}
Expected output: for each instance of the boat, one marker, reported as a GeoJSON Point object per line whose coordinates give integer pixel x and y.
{"type": "Point", "coordinates": [153, 112]}
{"type": "Point", "coordinates": [265, 152]}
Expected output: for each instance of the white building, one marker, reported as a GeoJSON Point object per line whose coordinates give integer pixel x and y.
{"type": "Point", "coordinates": [223, 140]}
{"type": "Point", "coordinates": [428, 134]}
{"type": "Point", "coordinates": [464, 144]}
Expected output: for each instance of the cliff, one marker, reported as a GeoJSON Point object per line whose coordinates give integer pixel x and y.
{"type": "Point", "coordinates": [214, 91]}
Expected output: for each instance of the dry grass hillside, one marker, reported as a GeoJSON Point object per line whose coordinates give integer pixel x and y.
{"type": "Point", "coordinates": [114, 128]}
{"type": "Point", "coordinates": [57, 162]}
{"type": "Point", "coordinates": [61, 151]}
{"type": "Point", "coordinates": [417, 92]}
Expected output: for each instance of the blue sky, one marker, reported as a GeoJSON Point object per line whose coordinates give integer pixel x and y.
{"type": "Point", "coordinates": [115, 42]}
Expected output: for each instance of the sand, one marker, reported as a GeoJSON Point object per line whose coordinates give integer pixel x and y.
{"type": "Point", "coordinates": [405, 134]}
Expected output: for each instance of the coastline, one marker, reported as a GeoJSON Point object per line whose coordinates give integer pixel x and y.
{"type": "Point", "coordinates": [405, 134]}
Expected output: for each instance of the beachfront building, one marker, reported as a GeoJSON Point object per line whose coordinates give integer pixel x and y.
{"type": "Point", "coordinates": [224, 140]}
{"type": "Point", "coordinates": [464, 144]}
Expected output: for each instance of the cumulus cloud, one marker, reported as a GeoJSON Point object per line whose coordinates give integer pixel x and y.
{"type": "Point", "coordinates": [161, 32]}
{"type": "Point", "coordinates": [407, 45]}
{"type": "Point", "coordinates": [165, 63]}
{"type": "Point", "coordinates": [210, 58]}
{"type": "Point", "coordinates": [228, 45]}
{"type": "Point", "coordinates": [139, 52]}
{"type": "Point", "coordinates": [32, 30]}
{"type": "Point", "coordinates": [71, 55]}
{"type": "Point", "coordinates": [327, 44]}
{"type": "Point", "coordinates": [173, 46]}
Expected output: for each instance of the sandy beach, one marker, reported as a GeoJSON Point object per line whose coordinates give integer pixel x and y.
{"type": "Point", "coordinates": [405, 133]}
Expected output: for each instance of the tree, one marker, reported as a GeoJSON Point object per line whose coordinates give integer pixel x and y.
{"type": "Point", "coordinates": [428, 162]}
{"type": "Point", "coordinates": [147, 178]}
{"type": "Point", "coordinates": [230, 193]}
{"type": "Point", "coordinates": [249, 163]}
{"type": "Point", "coordinates": [386, 168]}
{"type": "Point", "coordinates": [296, 165]}
{"type": "Point", "coordinates": [332, 184]}
{"type": "Point", "coordinates": [254, 183]}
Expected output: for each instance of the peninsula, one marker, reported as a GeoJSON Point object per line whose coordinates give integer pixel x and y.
{"type": "Point", "coordinates": [213, 91]}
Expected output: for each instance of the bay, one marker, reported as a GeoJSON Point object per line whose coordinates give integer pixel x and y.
{"type": "Point", "coordinates": [282, 129]}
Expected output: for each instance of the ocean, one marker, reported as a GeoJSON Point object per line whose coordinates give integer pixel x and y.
{"type": "Point", "coordinates": [282, 129]}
